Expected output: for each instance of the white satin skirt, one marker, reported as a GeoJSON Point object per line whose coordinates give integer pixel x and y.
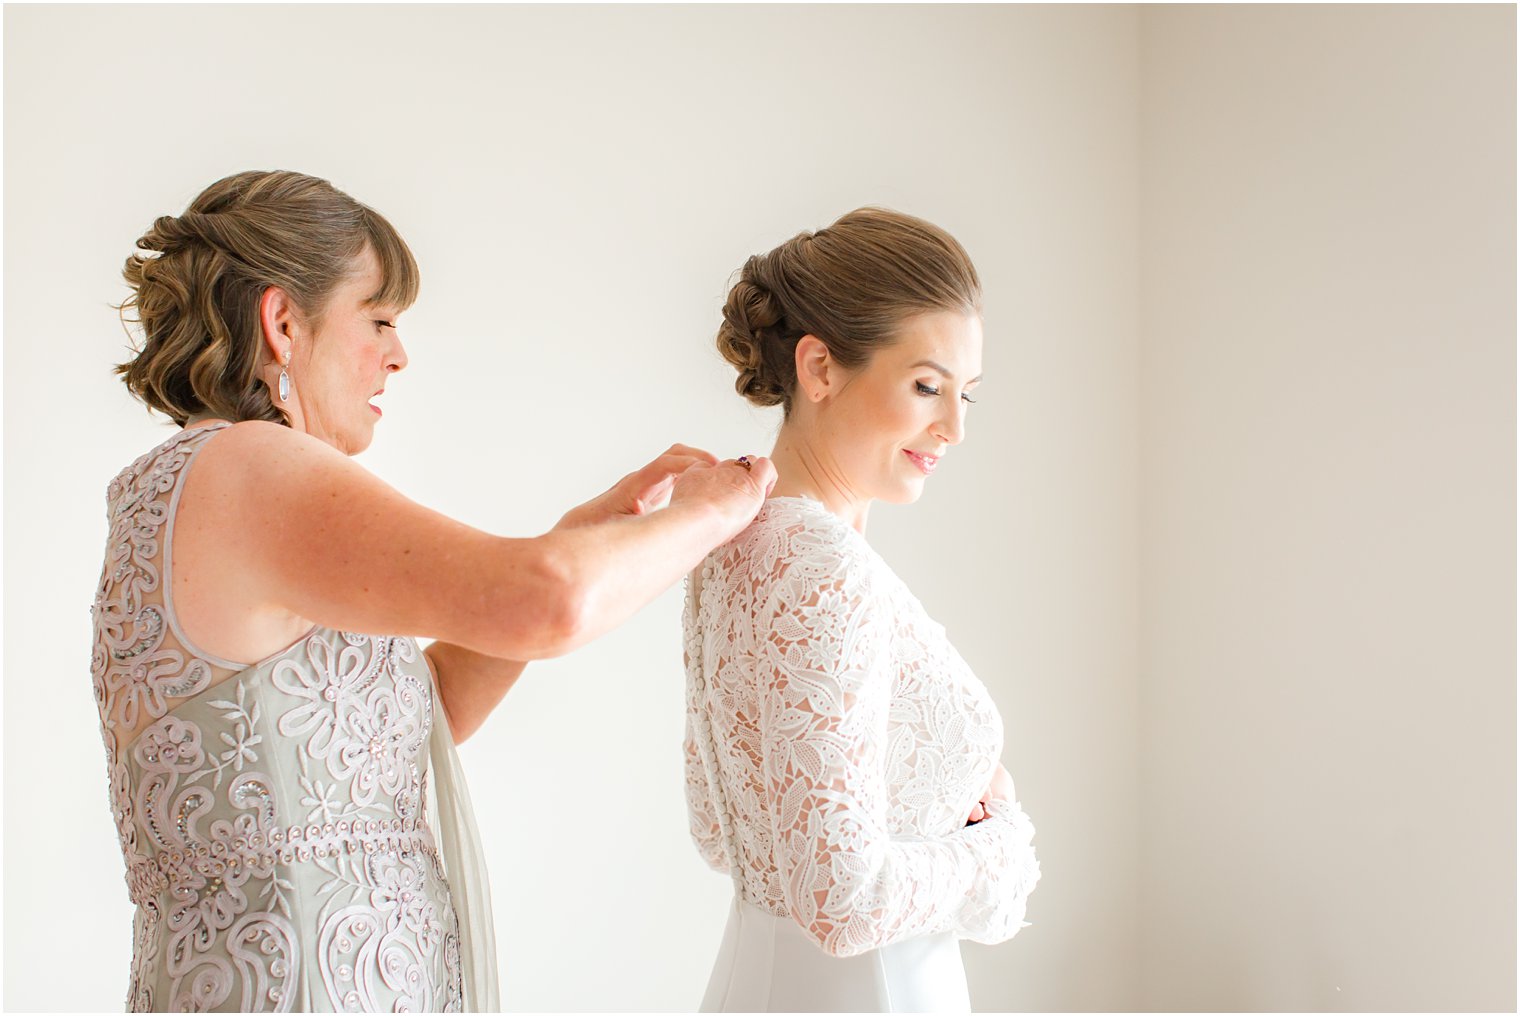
{"type": "Point", "coordinates": [769, 964]}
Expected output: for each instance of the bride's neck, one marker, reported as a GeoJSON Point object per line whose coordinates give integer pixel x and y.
{"type": "Point", "coordinates": [806, 467]}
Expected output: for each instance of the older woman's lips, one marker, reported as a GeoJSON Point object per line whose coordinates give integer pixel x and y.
{"type": "Point", "coordinates": [924, 462]}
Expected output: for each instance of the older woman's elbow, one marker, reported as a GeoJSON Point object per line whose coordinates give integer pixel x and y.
{"type": "Point", "coordinates": [562, 607]}
{"type": "Point", "coordinates": [532, 607]}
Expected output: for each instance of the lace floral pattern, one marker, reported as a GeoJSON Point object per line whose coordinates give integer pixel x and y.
{"type": "Point", "coordinates": [836, 743]}
{"type": "Point", "coordinates": [272, 818]}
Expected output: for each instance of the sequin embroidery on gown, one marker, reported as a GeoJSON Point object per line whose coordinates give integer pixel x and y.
{"type": "Point", "coordinates": [273, 817]}
{"type": "Point", "coordinates": [835, 746]}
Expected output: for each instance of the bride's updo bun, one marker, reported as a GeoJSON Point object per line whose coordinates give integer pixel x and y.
{"type": "Point", "coordinates": [851, 285]}
{"type": "Point", "coordinates": [750, 318]}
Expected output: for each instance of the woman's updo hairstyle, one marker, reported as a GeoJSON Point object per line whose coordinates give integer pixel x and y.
{"type": "Point", "coordinates": [851, 284]}
{"type": "Point", "coordinates": [197, 281]}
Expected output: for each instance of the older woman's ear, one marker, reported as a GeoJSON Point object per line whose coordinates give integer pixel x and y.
{"type": "Point", "coordinates": [279, 323]}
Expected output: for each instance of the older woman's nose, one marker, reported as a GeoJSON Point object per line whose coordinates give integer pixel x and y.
{"type": "Point", "coordinates": [397, 359]}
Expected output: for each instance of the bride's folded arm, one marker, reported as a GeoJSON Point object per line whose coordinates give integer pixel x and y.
{"type": "Point", "coordinates": [826, 690]}
{"type": "Point", "coordinates": [706, 833]}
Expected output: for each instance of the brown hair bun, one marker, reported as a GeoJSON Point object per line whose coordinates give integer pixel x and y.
{"type": "Point", "coordinates": [750, 318]}
{"type": "Point", "coordinates": [850, 284]}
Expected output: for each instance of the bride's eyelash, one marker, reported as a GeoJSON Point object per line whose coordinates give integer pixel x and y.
{"type": "Point", "coordinates": [930, 390]}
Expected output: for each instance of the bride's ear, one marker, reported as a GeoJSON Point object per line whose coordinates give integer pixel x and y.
{"type": "Point", "coordinates": [818, 375]}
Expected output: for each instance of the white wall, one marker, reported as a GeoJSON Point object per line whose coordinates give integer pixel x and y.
{"type": "Point", "coordinates": [578, 184]}
{"type": "Point", "coordinates": [1328, 459]}
{"type": "Point", "coordinates": [1231, 539]}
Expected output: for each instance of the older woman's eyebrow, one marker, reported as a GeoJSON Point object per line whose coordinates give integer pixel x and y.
{"type": "Point", "coordinates": [934, 366]}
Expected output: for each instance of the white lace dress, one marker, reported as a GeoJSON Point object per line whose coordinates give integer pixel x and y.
{"type": "Point", "coordinates": [835, 746]}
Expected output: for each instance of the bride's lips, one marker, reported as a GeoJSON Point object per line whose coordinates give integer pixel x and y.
{"type": "Point", "coordinates": [923, 462]}
{"type": "Point", "coordinates": [375, 407]}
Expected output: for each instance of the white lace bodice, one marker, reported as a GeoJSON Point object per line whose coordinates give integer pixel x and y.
{"type": "Point", "coordinates": [836, 743]}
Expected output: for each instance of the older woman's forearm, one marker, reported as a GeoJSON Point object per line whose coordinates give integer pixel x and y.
{"type": "Point", "coordinates": [470, 684]}
{"type": "Point", "coordinates": [613, 569]}
{"type": "Point", "coordinates": [604, 573]}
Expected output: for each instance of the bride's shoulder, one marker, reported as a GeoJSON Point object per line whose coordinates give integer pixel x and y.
{"type": "Point", "coordinates": [792, 534]}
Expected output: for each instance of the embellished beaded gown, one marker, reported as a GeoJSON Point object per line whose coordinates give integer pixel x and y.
{"type": "Point", "coordinates": [835, 746]}
{"type": "Point", "coordinates": [274, 817]}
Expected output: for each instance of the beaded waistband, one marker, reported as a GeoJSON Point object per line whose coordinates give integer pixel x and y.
{"type": "Point", "coordinates": [259, 852]}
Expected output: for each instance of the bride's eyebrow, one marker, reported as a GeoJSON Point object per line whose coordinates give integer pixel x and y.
{"type": "Point", "coordinates": [948, 376]}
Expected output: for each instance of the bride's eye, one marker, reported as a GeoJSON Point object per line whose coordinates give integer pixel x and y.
{"type": "Point", "coordinates": [924, 389]}
{"type": "Point", "coordinates": [968, 398]}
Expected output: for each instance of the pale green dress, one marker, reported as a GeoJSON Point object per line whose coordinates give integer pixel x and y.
{"type": "Point", "coordinates": [296, 832]}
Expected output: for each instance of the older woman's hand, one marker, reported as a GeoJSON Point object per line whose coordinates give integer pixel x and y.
{"type": "Point", "coordinates": [640, 492]}
{"type": "Point", "coordinates": [734, 489]}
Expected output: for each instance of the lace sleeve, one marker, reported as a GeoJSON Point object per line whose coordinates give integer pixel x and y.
{"type": "Point", "coordinates": [826, 678]}
{"type": "Point", "coordinates": [700, 810]}
{"type": "Point", "coordinates": [705, 831]}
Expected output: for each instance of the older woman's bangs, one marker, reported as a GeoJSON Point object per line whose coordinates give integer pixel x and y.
{"type": "Point", "coordinates": [399, 278]}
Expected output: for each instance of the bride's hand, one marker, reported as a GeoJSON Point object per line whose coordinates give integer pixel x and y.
{"type": "Point", "coordinates": [640, 492]}
{"type": "Point", "coordinates": [1001, 788]}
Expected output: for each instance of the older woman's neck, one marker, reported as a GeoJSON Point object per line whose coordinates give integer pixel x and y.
{"type": "Point", "coordinates": [805, 467]}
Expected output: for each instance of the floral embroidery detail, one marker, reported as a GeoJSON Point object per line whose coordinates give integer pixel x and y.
{"type": "Point", "coordinates": [836, 743]}
{"type": "Point", "coordinates": [215, 843]}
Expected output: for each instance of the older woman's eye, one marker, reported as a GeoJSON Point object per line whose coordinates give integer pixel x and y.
{"type": "Point", "coordinates": [384, 324]}
{"type": "Point", "coordinates": [924, 389]}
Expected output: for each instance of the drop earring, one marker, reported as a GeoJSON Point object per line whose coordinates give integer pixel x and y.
{"type": "Point", "coordinates": [285, 379]}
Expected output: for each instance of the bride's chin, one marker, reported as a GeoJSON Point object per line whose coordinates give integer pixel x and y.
{"type": "Point", "coordinates": [905, 494]}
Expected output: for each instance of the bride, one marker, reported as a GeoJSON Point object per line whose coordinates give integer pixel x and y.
{"type": "Point", "coordinates": [842, 761]}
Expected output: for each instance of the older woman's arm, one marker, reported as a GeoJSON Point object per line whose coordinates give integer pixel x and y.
{"type": "Point", "coordinates": [472, 684]}
{"type": "Point", "coordinates": [307, 530]}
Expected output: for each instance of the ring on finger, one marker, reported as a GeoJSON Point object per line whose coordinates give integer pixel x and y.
{"type": "Point", "coordinates": [744, 461]}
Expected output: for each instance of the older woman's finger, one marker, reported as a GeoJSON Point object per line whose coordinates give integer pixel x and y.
{"type": "Point", "coordinates": [763, 472]}
{"type": "Point", "coordinates": [660, 472]}
{"type": "Point", "coordinates": [696, 453]}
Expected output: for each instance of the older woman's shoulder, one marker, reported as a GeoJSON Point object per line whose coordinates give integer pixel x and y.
{"type": "Point", "coordinates": [256, 440]}
{"type": "Point", "coordinates": [256, 458]}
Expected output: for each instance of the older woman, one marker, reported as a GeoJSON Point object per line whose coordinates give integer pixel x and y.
{"type": "Point", "coordinates": [295, 831]}
{"type": "Point", "coordinates": [842, 760]}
